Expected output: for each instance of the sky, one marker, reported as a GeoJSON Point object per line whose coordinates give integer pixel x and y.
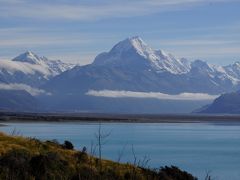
{"type": "Point", "coordinates": [78, 30]}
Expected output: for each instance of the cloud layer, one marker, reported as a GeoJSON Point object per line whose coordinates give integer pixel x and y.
{"type": "Point", "coordinates": [29, 89]}
{"type": "Point", "coordinates": [92, 10]}
{"type": "Point", "coordinates": [153, 95]}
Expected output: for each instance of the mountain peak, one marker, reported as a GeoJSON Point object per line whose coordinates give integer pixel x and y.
{"type": "Point", "coordinates": [131, 43]}
{"type": "Point", "coordinates": [134, 51]}
{"type": "Point", "coordinates": [30, 53]}
{"type": "Point", "coordinates": [134, 38]}
{"type": "Point", "coordinates": [136, 41]}
{"type": "Point", "coordinates": [28, 57]}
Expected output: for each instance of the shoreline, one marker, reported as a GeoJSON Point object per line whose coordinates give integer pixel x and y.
{"type": "Point", "coordinates": [116, 118]}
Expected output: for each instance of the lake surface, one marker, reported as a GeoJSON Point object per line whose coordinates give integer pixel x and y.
{"type": "Point", "coordinates": [194, 147]}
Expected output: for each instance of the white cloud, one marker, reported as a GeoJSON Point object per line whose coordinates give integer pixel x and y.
{"type": "Point", "coordinates": [206, 52]}
{"type": "Point", "coordinates": [14, 66]}
{"type": "Point", "coordinates": [41, 41]}
{"type": "Point", "coordinates": [11, 1]}
{"type": "Point", "coordinates": [29, 89]}
{"type": "Point", "coordinates": [93, 11]}
{"type": "Point", "coordinates": [198, 42]}
{"type": "Point", "coordinates": [154, 95]}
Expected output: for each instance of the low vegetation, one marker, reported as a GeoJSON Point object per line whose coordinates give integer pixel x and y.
{"type": "Point", "coordinates": [31, 159]}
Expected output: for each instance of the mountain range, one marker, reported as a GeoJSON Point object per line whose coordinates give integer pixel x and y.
{"type": "Point", "coordinates": [132, 65]}
{"type": "Point", "coordinates": [30, 69]}
{"type": "Point", "coordinates": [131, 76]}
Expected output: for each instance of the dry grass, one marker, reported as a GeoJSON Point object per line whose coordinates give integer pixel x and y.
{"type": "Point", "coordinates": [29, 158]}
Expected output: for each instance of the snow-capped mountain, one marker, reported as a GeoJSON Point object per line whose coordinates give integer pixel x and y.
{"type": "Point", "coordinates": [134, 52]}
{"type": "Point", "coordinates": [214, 78]}
{"type": "Point", "coordinates": [29, 57]}
{"type": "Point", "coordinates": [134, 66]}
{"type": "Point", "coordinates": [130, 66]}
{"type": "Point", "coordinates": [30, 69]}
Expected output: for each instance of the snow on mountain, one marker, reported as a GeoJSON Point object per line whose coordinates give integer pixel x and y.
{"type": "Point", "coordinates": [233, 70]}
{"type": "Point", "coordinates": [29, 57]}
{"type": "Point", "coordinates": [217, 74]}
{"type": "Point", "coordinates": [12, 67]}
{"type": "Point", "coordinates": [132, 65]}
{"type": "Point", "coordinates": [134, 51]}
{"type": "Point", "coordinates": [54, 67]}
{"type": "Point", "coordinates": [30, 69]}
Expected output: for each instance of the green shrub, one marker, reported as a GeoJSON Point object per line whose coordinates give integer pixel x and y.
{"type": "Point", "coordinates": [68, 145]}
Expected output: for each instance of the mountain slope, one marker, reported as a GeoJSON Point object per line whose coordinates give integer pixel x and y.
{"type": "Point", "coordinates": [30, 69]}
{"type": "Point", "coordinates": [132, 65]}
{"type": "Point", "coordinates": [15, 100]}
{"type": "Point", "coordinates": [228, 103]}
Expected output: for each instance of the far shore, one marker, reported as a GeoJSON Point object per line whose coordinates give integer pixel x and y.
{"type": "Point", "coordinates": [116, 118]}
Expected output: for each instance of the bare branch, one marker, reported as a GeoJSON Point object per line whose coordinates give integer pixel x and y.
{"type": "Point", "coordinates": [120, 153]}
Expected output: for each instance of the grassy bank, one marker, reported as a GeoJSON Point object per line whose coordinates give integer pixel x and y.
{"type": "Point", "coordinates": [29, 158]}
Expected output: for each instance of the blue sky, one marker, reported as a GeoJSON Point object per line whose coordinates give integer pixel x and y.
{"type": "Point", "coordinates": [77, 30]}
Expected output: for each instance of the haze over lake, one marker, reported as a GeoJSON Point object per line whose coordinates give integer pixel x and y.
{"type": "Point", "coordinates": [194, 147]}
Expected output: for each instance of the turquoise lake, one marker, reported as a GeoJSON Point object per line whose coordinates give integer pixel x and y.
{"type": "Point", "coordinates": [194, 147]}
